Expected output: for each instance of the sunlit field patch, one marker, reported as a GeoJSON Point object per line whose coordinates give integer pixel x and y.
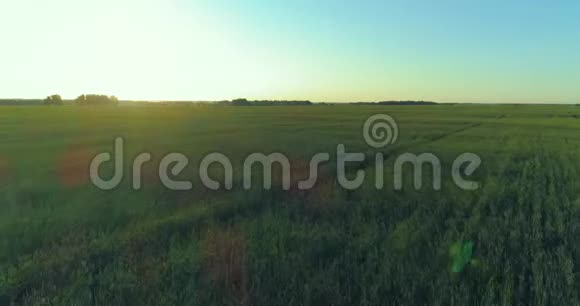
{"type": "Point", "coordinates": [73, 164]}
{"type": "Point", "coordinates": [4, 170]}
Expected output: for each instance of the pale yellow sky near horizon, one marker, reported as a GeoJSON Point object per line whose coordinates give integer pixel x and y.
{"type": "Point", "coordinates": [74, 47]}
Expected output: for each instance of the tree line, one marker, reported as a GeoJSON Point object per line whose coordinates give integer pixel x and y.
{"type": "Point", "coordinates": [94, 99]}
{"type": "Point", "coordinates": [245, 102]}
{"type": "Point", "coordinates": [90, 99]}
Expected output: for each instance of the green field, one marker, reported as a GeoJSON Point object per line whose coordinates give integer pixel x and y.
{"type": "Point", "coordinates": [515, 240]}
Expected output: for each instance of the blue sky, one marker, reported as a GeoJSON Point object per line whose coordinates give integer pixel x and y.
{"type": "Point", "coordinates": [452, 51]}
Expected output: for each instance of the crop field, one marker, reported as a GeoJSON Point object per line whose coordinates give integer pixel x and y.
{"type": "Point", "coordinates": [513, 240]}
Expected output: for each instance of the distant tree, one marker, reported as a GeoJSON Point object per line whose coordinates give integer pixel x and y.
{"type": "Point", "coordinates": [245, 102]}
{"type": "Point", "coordinates": [53, 100]}
{"type": "Point", "coordinates": [96, 100]}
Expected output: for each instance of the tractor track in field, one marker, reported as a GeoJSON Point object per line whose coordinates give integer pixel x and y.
{"type": "Point", "coordinates": [463, 129]}
{"type": "Point", "coordinates": [437, 137]}
{"type": "Point", "coordinates": [403, 148]}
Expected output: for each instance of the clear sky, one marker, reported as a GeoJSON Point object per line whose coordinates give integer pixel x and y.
{"type": "Point", "coordinates": [322, 50]}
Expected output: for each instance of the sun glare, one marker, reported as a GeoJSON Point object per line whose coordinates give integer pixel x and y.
{"type": "Point", "coordinates": [135, 50]}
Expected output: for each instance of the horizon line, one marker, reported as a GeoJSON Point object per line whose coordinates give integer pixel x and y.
{"type": "Point", "coordinates": [312, 101]}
